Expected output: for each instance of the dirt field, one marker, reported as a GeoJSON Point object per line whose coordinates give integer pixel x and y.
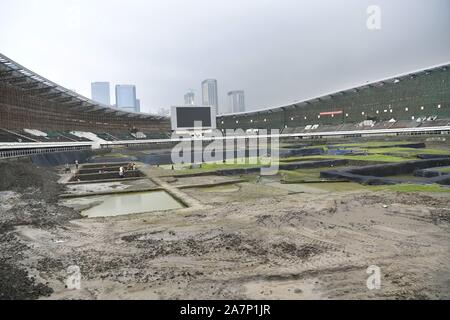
{"type": "Point", "coordinates": [251, 240]}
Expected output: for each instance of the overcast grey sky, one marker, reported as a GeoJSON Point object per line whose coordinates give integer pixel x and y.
{"type": "Point", "coordinates": [277, 51]}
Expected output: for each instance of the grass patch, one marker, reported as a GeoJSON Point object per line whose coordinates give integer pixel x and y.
{"type": "Point", "coordinates": [444, 169]}
{"type": "Point", "coordinates": [406, 152]}
{"type": "Point", "coordinates": [395, 154]}
{"type": "Point", "coordinates": [373, 144]}
{"type": "Point", "coordinates": [243, 163]}
{"type": "Point", "coordinates": [300, 175]}
{"type": "Point", "coordinates": [371, 158]}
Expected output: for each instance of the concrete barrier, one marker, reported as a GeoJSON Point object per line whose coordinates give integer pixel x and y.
{"type": "Point", "coordinates": [433, 156]}
{"type": "Point", "coordinates": [407, 167]}
{"type": "Point", "coordinates": [430, 173]}
{"type": "Point", "coordinates": [376, 174]}
{"type": "Point", "coordinates": [287, 166]}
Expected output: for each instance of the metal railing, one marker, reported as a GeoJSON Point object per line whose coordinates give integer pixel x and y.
{"type": "Point", "coordinates": [18, 153]}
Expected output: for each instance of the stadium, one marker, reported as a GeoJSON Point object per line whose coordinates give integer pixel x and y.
{"type": "Point", "coordinates": [101, 211]}
{"type": "Point", "coordinates": [36, 110]}
{"type": "Point", "coordinates": [416, 99]}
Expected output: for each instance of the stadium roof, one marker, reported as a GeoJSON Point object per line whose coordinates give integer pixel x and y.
{"type": "Point", "coordinates": [328, 96]}
{"type": "Point", "coordinates": [18, 76]}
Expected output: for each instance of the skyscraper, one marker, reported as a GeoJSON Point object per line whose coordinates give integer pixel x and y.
{"type": "Point", "coordinates": [126, 97]}
{"type": "Point", "coordinates": [189, 98]}
{"type": "Point", "coordinates": [209, 94]}
{"type": "Point", "coordinates": [138, 105]}
{"type": "Point", "coordinates": [236, 101]}
{"type": "Point", "coordinates": [100, 92]}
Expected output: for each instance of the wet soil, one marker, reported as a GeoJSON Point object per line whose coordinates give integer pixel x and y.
{"type": "Point", "coordinates": [28, 197]}
{"type": "Point", "coordinates": [255, 241]}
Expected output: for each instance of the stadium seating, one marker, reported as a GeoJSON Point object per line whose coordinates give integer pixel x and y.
{"type": "Point", "coordinates": [8, 136]}
{"type": "Point", "coordinates": [106, 136]}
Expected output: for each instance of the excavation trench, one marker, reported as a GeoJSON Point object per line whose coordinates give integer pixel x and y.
{"type": "Point", "coordinates": [393, 173]}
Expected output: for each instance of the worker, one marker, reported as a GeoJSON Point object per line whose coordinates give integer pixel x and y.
{"type": "Point", "coordinates": [76, 164]}
{"type": "Point", "coordinates": [121, 172]}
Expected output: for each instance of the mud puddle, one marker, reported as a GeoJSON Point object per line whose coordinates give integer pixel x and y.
{"type": "Point", "coordinates": [124, 204]}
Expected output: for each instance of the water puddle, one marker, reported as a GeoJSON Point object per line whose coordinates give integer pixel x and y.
{"type": "Point", "coordinates": [123, 204]}
{"type": "Point", "coordinates": [109, 186]}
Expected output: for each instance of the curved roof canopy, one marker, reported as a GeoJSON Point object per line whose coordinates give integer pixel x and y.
{"type": "Point", "coordinates": [332, 95]}
{"type": "Point", "coordinates": [18, 76]}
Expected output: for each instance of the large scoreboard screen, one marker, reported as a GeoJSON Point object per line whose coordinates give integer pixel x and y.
{"type": "Point", "coordinates": [190, 117]}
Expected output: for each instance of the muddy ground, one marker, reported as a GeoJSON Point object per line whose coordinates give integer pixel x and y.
{"type": "Point", "coordinates": [251, 240]}
{"type": "Point", "coordinates": [28, 197]}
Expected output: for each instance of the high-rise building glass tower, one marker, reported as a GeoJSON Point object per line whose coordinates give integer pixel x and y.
{"type": "Point", "coordinates": [236, 101]}
{"type": "Point", "coordinates": [126, 97]}
{"type": "Point", "coordinates": [209, 94]}
{"type": "Point", "coordinates": [100, 92]}
{"type": "Point", "coordinates": [189, 98]}
{"type": "Point", "coordinates": [138, 105]}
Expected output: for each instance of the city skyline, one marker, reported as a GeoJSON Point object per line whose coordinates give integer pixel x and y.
{"type": "Point", "coordinates": [124, 95]}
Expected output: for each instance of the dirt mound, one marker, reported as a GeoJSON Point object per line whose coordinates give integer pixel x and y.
{"type": "Point", "coordinates": [28, 196]}
{"type": "Point", "coordinates": [20, 175]}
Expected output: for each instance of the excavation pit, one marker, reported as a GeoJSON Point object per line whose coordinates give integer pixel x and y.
{"type": "Point", "coordinates": [101, 165]}
{"type": "Point", "coordinates": [98, 170]}
{"type": "Point", "coordinates": [95, 177]}
{"type": "Point", "coordinates": [391, 173]}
